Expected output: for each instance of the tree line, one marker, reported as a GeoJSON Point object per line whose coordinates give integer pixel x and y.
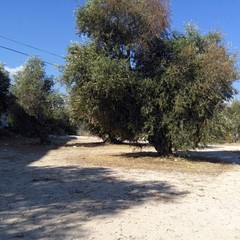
{"type": "Point", "coordinates": [33, 107]}
{"type": "Point", "coordinates": [138, 79]}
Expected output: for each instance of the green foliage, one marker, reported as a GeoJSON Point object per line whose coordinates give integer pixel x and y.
{"type": "Point", "coordinates": [198, 77]}
{"type": "Point", "coordinates": [4, 88]}
{"type": "Point", "coordinates": [191, 75]}
{"type": "Point", "coordinates": [37, 109]}
{"type": "Point", "coordinates": [59, 115]}
{"type": "Point", "coordinates": [164, 89]}
{"type": "Point", "coordinates": [31, 89]}
{"type": "Point", "coordinates": [104, 89]}
{"type": "Point", "coordinates": [119, 26]}
{"type": "Point", "coordinates": [20, 122]}
{"type": "Point", "coordinates": [233, 113]}
{"type": "Point", "coordinates": [225, 125]}
{"type": "Point", "coordinates": [102, 95]}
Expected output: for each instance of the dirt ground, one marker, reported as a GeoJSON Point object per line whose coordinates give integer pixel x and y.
{"type": "Point", "coordinates": [78, 188]}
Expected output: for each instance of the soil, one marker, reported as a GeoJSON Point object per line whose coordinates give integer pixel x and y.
{"type": "Point", "coordinates": [80, 188]}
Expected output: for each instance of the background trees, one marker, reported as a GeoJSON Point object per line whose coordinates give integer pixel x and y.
{"type": "Point", "coordinates": [4, 89]}
{"type": "Point", "coordinates": [233, 116]}
{"type": "Point", "coordinates": [37, 110]}
{"type": "Point", "coordinates": [136, 80]}
{"type": "Point", "coordinates": [32, 88]}
{"type": "Point", "coordinates": [225, 125]}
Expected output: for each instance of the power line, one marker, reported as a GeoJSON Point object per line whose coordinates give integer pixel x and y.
{"type": "Point", "coordinates": [27, 45]}
{"type": "Point", "coordinates": [25, 54]}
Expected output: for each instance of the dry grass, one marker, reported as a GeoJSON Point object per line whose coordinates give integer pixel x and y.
{"type": "Point", "coordinates": [90, 151]}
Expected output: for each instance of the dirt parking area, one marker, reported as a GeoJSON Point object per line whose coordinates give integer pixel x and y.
{"type": "Point", "coordinates": [78, 188]}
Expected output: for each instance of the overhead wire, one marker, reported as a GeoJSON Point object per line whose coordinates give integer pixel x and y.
{"type": "Point", "coordinates": [25, 54]}
{"type": "Point", "coordinates": [30, 46]}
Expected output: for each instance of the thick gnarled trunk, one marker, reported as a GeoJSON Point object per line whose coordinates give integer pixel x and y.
{"type": "Point", "coordinates": [161, 143]}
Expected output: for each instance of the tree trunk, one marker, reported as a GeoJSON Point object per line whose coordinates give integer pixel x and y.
{"type": "Point", "coordinates": [42, 133]}
{"type": "Point", "coordinates": [161, 143]}
{"type": "Point", "coordinates": [112, 140]}
{"type": "Point", "coordinates": [43, 137]}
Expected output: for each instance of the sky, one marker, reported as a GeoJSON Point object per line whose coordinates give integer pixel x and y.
{"type": "Point", "coordinates": [50, 26]}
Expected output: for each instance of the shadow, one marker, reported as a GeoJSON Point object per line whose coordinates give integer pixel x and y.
{"type": "Point", "coordinates": [141, 154]}
{"type": "Point", "coordinates": [14, 146]}
{"type": "Point", "coordinates": [102, 143]}
{"type": "Point", "coordinates": [217, 156]}
{"type": "Point", "coordinates": [212, 156]}
{"type": "Point", "coordinates": [47, 202]}
{"type": "Point", "coordinates": [63, 138]}
{"type": "Point", "coordinates": [86, 144]}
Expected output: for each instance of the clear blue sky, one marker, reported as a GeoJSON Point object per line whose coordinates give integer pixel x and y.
{"type": "Point", "coordinates": [50, 25]}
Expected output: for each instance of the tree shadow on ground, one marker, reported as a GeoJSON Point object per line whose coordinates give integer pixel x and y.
{"type": "Point", "coordinates": [55, 202]}
{"type": "Point", "coordinates": [140, 154]}
{"type": "Point", "coordinates": [101, 143]}
{"type": "Point", "coordinates": [211, 156]}
{"type": "Point", "coordinates": [85, 144]}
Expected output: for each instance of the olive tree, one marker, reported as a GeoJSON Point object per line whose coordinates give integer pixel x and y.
{"type": "Point", "coordinates": [187, 84]}
{"type": "Point", "coordinates": [136, 80]}
{"type": "Point", "coordinates": [31, 89]}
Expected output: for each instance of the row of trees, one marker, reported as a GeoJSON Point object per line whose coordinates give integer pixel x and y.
{"type": "Point", "coordinates": [136, 79]}
{"type": "Point", "coordinates": [34, 108]}
{"type": "Point", "coordinates": [38, 113]}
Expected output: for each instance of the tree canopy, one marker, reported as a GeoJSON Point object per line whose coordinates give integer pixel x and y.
{"type": "Point", "coordinates": [196, 77]}
{"type": "Point", "coordinates": [103, 92]}
{"type": "Point", "coordinates": [121, 26]}
{"type": "Point", "coordinates": [135, 80]}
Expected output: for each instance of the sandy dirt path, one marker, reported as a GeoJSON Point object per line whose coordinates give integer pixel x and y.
{"type": "Point", "coordinates": [49, 194]}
